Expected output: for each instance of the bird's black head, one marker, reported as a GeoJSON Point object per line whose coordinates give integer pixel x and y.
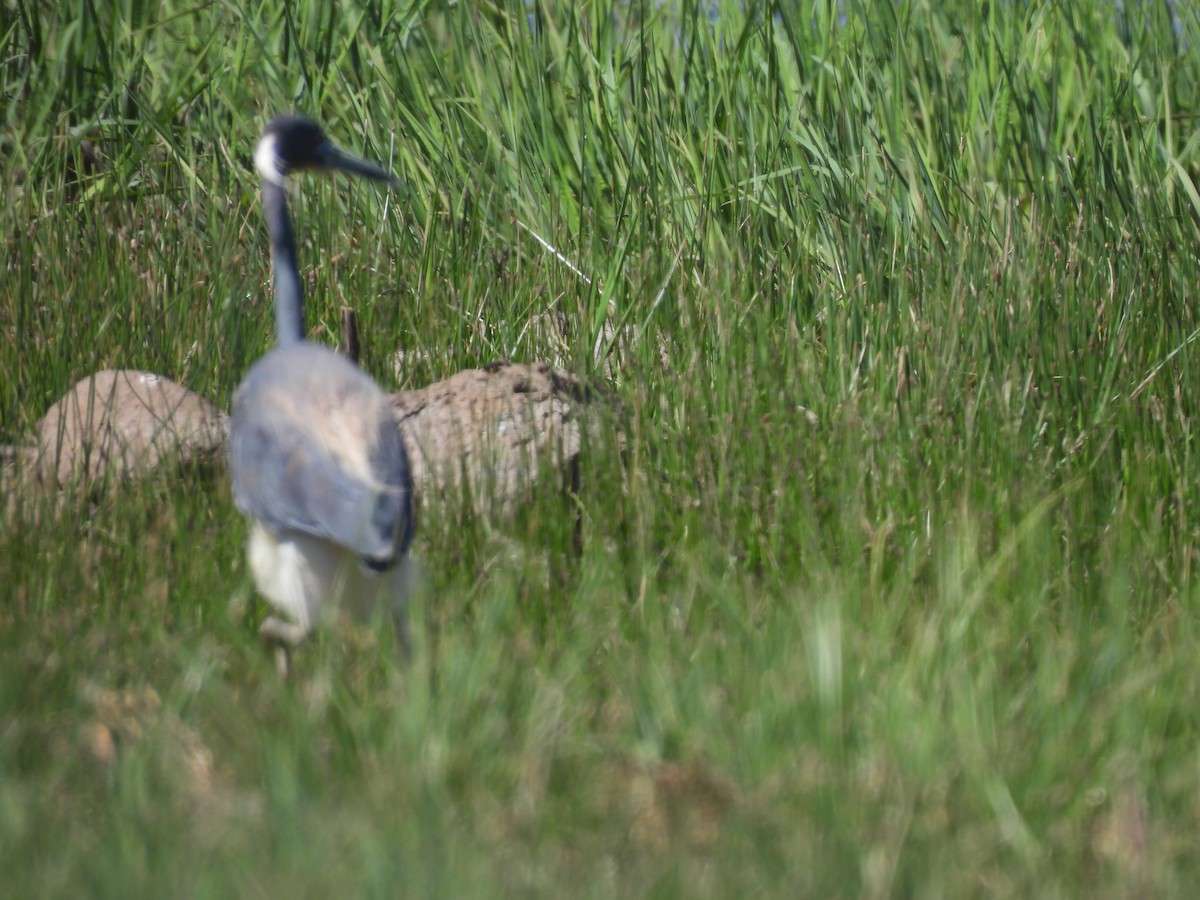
{"type": "Point", "coordinates": [293, 143]}
{"type": "Point", "coordinates": [288, 144]}
{"type": "Point", "coordinates": [298, 141]}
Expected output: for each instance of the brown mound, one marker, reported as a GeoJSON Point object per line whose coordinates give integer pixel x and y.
{"type": "Point", "coordinates": [496, 425]}
{"type": "Point", "coordinates": [121, 422]}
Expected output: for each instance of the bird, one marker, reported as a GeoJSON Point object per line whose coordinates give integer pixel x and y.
{"type": "Point", "coordinates": [317, 460]}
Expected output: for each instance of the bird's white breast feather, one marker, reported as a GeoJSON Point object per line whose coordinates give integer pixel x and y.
{"type": "Point", "coordinates": [307, 578]}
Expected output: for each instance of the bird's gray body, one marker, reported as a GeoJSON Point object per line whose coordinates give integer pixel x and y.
{"type": "Point", "coordinates": [315, 452]}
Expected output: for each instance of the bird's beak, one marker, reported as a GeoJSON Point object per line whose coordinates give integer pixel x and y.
{"type": "Point", "coordinates": [334, 157]}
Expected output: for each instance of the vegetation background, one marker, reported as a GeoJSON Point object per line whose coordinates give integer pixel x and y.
{"type": "Point", "coordinates": [889, 592]}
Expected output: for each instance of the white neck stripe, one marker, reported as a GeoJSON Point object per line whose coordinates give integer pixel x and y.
{"type": "Point", "coordinates": [266, 161]}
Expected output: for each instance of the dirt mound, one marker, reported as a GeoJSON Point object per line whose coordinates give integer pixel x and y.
{"type": "Point", "coordinates": [498, 426]}
{"type": "Point", "coordinates": [120, 422]}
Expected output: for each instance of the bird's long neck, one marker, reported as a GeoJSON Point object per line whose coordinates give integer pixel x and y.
{"type": "Point", "coordinates": [289, 291]}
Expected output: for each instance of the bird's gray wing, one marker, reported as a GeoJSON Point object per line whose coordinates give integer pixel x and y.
{"type": "Point", "coordinates": [393, 511]}
{"type": "Point", "coordinates": [289, 473]}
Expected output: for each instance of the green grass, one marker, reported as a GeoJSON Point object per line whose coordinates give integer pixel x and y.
{"type": "Point", "coordinates": [888, 591]}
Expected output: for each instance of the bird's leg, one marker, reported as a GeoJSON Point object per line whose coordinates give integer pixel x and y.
{"type": "Point", "coordinates": [283, 661]}
{"type": "Point", "coordinates": [283, 636]}
{"type": "Point", "coordinates": [287, 633]}
{"type": "Point", "coordinates": [408, 575]}
{"type": "Point", "coordinates": [400, 623]}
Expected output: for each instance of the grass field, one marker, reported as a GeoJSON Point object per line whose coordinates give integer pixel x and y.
{"type": "Point", "coordinates": [889, 591]}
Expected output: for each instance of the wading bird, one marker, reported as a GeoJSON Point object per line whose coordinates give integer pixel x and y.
{"type": "Point", "coordinates": [316, 456]}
